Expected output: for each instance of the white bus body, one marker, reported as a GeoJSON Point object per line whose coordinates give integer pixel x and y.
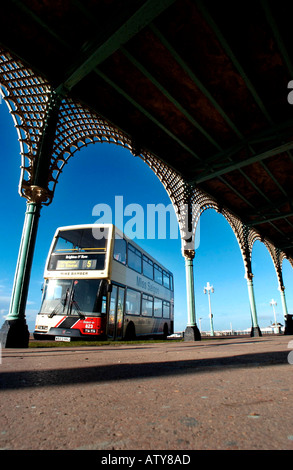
{"type": "Point", "coordinates": [100, 284]}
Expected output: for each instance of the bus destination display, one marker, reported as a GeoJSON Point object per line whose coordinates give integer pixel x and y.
{"type": "Point", "coordinates": [77, 262]}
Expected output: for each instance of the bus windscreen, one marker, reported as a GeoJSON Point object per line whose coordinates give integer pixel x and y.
{"type": "Point", "coordinates": [78, 297]}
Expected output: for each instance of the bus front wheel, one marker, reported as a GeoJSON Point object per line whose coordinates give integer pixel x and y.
{"type": "Point", "coordinates": [130, 332]}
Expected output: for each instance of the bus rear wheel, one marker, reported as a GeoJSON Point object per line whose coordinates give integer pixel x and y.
{"type": "Point", "coordinates": [165, 331]}
{"type": "Point", "coordinates": [130, 332]}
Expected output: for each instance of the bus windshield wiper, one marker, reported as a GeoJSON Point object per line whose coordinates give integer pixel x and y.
{"type": "Point", "coordinates": [62, 302]}
{"type": "Point", "coordinates": [55, 311]}
{"type": "Point", "coordinates": [75, 305]}
{"type": "Point", "coordinates": [77, 309]}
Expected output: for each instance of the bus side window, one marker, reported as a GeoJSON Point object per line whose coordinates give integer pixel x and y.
{"type": "Point", "coordinates": [120, 250]}
{"type": "Point", "coordinates": [134, 258]}
{"type": "Point", "coordinates": [158, 274]}
{"type": "Point", "coordinates": [132, 305]}
{"type": "Point", "coordinates": [158, 307]}
{"type": "Point", "coordinates": [166, 309]}
{"type": "Point", "coordinates": [147, 305]}
{"type": "Point", "coordinates": [166, 280]}
{"type": "Point", "coordinates": [104, 304]}
{"type": "Point", "coordinates": [147, 267]}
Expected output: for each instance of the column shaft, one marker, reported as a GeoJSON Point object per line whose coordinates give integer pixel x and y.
{"type": "Point", "coordinates": [284, 303]}
{"type": "Point", "coordinates": [14, 332]}
{"type": "Point", "coordinates": [192, 332]}
{"type": "Point", "coordinates": [255, 330]}
{"type": "Point", "coordinates": [190, 292]}
{"type": "Point", "coordinates": [24, 262]}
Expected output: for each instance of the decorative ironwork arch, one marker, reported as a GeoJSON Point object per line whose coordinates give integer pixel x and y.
{"type": "Point", "coordinates": [29, 98]}
{"type": "Point", "coordinates": [246, 238]}
{"type": "Point", "coordinates": [53, 126]}
{"type": "Point", "coordinates": [277, 257]}
{"type": "Point", "coordinates": [77, 128]}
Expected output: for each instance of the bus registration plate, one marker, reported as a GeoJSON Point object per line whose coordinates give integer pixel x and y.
{"type": "Point", "coordinates": [62, 338]}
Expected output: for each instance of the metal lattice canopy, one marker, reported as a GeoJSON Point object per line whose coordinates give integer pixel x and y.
{"type": "Point", "coordinates": [179, 82]}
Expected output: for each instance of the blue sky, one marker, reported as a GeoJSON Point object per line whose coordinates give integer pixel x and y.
{"type": "Point", "coordinates": [96, 175]}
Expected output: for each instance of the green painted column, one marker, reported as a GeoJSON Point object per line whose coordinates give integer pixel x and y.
{"type": "Point", "coordinates": [24, 262]}
{"type": "Point", "coordinates": [190, 292]}
{"type": "Point", "coordinates": [285, 309]}
{"type": "Point", "coordinates": [283, 300]}
{"type": "Point", "coordinates": [14, 332]}
{"type": "Point", "coordinates": [192, 332]}
{"type": "Point", "coordinates": [255, 330]}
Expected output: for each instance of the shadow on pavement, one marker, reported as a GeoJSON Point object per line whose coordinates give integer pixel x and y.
{"type": "Point", "coordinates": [116, 372]}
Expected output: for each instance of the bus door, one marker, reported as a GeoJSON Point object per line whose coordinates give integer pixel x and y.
{"type": "Point", "coordinates": [116, 313]}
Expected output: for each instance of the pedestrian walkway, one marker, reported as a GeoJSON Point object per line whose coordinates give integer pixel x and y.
{"type": "Point", "coordinates": [234, 393]}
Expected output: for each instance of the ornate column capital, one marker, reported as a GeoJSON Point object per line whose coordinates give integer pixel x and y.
{"type": "Point", "coordinates": [36, 194]}
{"type": "Point", "coordinates": [249, 276]}
{"type": "Point", "coordinates": [189, 254]}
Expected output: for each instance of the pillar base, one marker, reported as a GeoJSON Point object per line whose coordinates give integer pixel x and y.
{"type": "Point", "coordinates": [192, 333]}
{"type": "Point", "coordinates": [255, 331]}
{"type": "Point", "coordinates": [288, 325]}
{"type": "Point", "coordinates": [14, 334]}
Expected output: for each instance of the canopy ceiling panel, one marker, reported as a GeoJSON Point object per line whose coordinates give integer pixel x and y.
{"type": "Point", "coordinates": [201, 85]}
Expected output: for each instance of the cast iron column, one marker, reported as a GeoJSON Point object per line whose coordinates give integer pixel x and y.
{"type": "Point", "coordinates": [283, 300]}
{"type": "Point", "coordinates": [278, 266]}
{"type": "Point", "coordinates": [255, 329]}
{"type": "Point", "coordinates": [14, 332]}
{"type": "Point", "coordinates": [191, 332]}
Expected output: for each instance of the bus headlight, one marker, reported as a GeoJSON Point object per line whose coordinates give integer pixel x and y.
{"type": "Point", "coordinates": [41, 327]}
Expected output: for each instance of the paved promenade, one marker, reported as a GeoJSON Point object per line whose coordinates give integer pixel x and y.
{"type": "Point", "coordinates": [229, 394]}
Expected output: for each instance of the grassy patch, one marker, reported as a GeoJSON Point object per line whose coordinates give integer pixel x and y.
{"type": "Point", "coordinates": [65, 344]}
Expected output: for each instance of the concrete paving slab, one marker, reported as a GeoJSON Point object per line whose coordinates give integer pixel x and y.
{"type": "Point", "coordinates": [233, 394]}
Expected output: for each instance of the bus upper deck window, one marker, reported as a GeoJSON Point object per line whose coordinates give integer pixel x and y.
{"type": "Point", "coordinates": [166, 280]}
{"type": "Point", "coordinates": [120, 250]}
{"type": "Point", "coordinates": [134, 258]}
{"type": "Point", "coordinates": [147, 267]}
{"type": "Point", "coordinates": [158, 274]}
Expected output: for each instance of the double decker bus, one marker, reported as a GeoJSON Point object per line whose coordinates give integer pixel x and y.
{"type": "Point", "coordinates": [100, 284]}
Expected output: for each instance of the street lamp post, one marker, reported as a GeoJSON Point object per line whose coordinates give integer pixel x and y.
{"type": "Point", "coordinates": [208, 290]}
{"type": "Point", "coordinates": [273, 303]}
